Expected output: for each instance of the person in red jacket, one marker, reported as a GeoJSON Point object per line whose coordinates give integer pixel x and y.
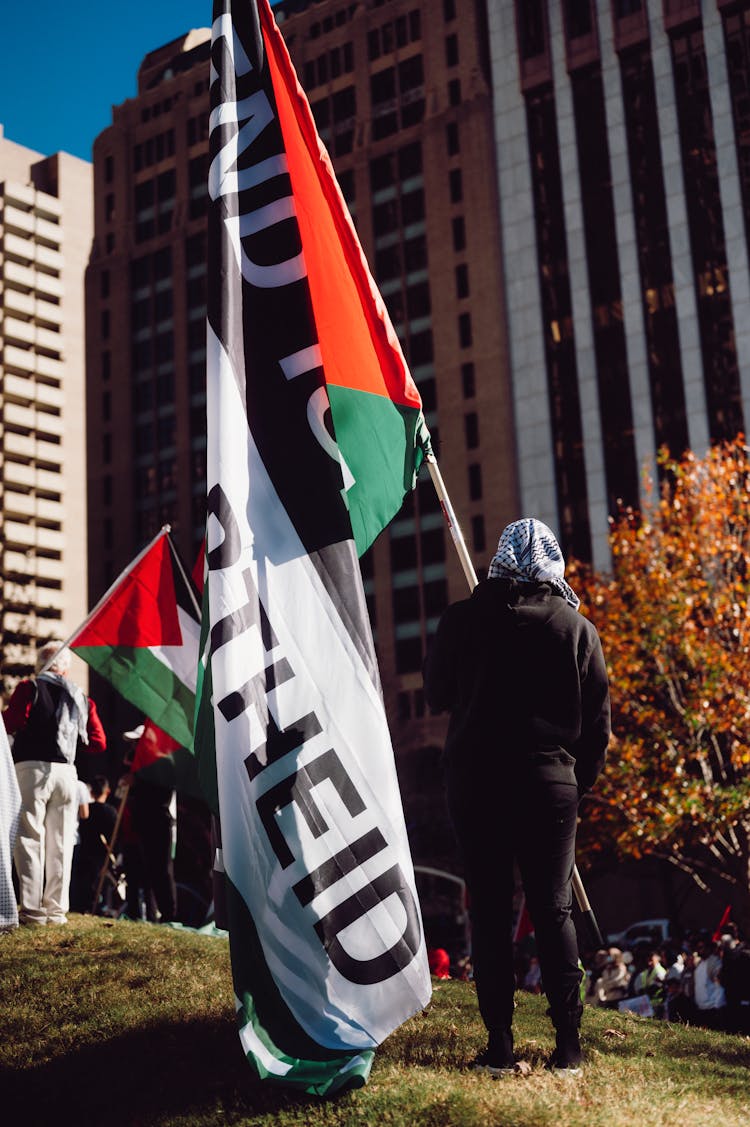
{"type": "Point", "coordinates": [523, 676]}
{"type": "Point", "coordinates": [47, 717]}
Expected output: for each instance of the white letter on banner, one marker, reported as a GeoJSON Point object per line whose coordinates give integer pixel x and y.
{"type": "Point", "coordinates": [256, 112]}
{"type": "Point", "coordinates": [223, 28]}
{"type": "Point", "coordinates": [276, 273]}
{"type": "Point", "coordinates": [306, 360]}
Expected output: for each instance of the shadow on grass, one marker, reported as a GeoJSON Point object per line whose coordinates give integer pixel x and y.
{"type": "Point", "coordinates": [678, 1042]}
{"type": "Point", "coordinates": [196, 1069]}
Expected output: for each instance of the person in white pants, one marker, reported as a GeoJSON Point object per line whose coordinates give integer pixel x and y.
{"type": "Point", "coordinates": [48, 717]}
{"type": "Point", "coordinates": [44, 846]}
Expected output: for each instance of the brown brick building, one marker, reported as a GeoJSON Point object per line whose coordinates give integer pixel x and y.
{"type": "Point", "coordinates": [400, 91]}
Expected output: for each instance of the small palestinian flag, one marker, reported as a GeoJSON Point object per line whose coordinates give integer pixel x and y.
{"type": "Point", "coordinates": [143, 638]}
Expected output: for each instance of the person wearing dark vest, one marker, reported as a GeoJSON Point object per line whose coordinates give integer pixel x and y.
{"type": "Point", "coordinates": [47, 717]}
{"type": "Point", "coordinates": [523, 676]}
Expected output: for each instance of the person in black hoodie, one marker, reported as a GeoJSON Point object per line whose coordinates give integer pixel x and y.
{"type": "Point", "coordinates": [522, 674]}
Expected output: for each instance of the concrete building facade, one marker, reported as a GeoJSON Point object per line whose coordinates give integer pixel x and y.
{"type": "Point", "coordinates": [46, 227]}
{"type": "Point", "coordinates": [624, 189]}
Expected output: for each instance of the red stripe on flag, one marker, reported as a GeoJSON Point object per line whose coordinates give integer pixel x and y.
{"type": "Point", "coordinates": [359, 346]}
{"type": "Point", "coordinates": [153, 744]}
{"type": "Point", "coordinates": [142, 609]}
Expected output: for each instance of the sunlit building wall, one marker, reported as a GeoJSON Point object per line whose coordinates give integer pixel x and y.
{"type": "Point", "coordinates": [46, 222]}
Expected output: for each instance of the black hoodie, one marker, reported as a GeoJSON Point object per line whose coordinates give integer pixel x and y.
{"type": "Point", "coordinates": [523, 675]}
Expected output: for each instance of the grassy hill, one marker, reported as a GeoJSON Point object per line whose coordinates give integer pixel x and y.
{"type": "Point", "coordinates": [131, 1024]}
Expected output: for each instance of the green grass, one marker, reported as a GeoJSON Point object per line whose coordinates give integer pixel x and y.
{"type": "Point", "coordinates": [122, 1023]}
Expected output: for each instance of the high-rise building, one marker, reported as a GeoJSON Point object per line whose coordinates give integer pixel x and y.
{"type": "Point", "coordinates": [401, 96]}
{"type": "Point", "coordinates": [46, 225]}
{"type": "Point", "coordinates": [622, 153]}
{"type": "Point", "coordinates": [146, 310]}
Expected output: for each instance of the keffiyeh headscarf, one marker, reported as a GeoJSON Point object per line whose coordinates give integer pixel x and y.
{"type": "Point", "coordinates": [529, 553]}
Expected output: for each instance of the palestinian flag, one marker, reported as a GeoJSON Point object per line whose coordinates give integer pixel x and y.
{"type": "Point", "coordinates": [143, 636]}
{"type": "Point", "coordinates": [313, 422]}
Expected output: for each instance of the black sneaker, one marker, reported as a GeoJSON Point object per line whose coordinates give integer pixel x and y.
{"type": "Point", "coordinates": [492, 1065]}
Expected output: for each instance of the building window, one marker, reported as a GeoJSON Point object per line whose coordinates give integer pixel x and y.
{"type": "Point", "coordinates": [104, 283]}
{"type": "Point", "coordinates": [477, 534]}
{"type": "Point", "coordinates": [471, 430]}
{"type": "Point", "coordinates": [451, 50]}
{"type": "Point", "coordinates": [454, 92]}
{"type": "Point", "coordinates": [621, 467]}
{"type": "Point", "coordinates": [707, 238]}
{"type": "Point", "coordinates": [654, 253]}
{"type": "Point", "coordinates": [475, 482]}
{"type": "Point", "coordinates": [578, 18]}
{"type": "Point", "coordinates": [531, 27]}
{"type": "Point", "coordinates": [559, 343]}
{"type": "Point", "coordinates": [449, 10]}
{"type": "Point", "coordinates": [459, 233]}
{"type": "Point", "coordinates": [462, 280]}
{"type": "Point", "coordinates": [109, 169]}
{"type": "Point", "coordinates": [105, 324]}
{"type": "Point", "coordinates": [464, 330]}
{"type": "Point", "coordinates": [456, 185]}
{"type": "Point", "coordinates": [451, 138]}
{"type": "Point", "coordinates": [468, 381]}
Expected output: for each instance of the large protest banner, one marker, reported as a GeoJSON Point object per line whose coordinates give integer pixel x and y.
{"type": "Point", "coordinates": [314, 433]}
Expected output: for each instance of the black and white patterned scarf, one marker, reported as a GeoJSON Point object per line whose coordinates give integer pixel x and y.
{"type": "Point", "coordinates": [529, 553]}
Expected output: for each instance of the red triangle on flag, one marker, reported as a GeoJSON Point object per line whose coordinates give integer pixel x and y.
{"type": "Point", "coordinates": [142, 608]}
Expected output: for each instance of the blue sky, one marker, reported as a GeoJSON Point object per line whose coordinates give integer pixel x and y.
{"type": "Point", "coordinates": [65, 63]}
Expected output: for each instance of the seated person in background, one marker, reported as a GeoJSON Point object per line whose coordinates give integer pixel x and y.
{"type": "Point", "coordinates": [612, 984]}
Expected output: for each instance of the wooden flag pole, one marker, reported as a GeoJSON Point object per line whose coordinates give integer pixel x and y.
{"type": "Point", "coordinates": [471, 576]}
{"type": "Point", "coordinates": [110, 848]}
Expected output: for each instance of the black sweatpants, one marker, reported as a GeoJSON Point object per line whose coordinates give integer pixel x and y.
{"type": "Point", "coordinates": [535, 824]}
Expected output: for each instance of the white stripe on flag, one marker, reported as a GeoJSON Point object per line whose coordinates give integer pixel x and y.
{"type": "Point", "coordinates": [252, 1043]}
{"type": "Point", "coordinates": [182, 660]}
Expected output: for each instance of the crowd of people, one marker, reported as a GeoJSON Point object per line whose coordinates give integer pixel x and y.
{"type": "Point", "coordinates": [697, 981]}
{"type": "Point", "coordinates": [58, 829]}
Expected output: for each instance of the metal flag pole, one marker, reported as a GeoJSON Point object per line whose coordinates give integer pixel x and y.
{"type": "Point", "coordinates": [471, 576]}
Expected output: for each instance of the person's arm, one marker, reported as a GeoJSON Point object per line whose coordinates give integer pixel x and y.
{"type": "Point", "coordinates": [19, 706]}
{"type": "Point", "coordinates": [440, 667]}
{"type": "Point", "coordinates": [97, 736]}
{"type": "Point", "coordinates": [590, 748]}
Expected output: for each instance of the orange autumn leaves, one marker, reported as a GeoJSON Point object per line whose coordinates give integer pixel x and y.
{"type": "Point", "coordinates": [674, 618]}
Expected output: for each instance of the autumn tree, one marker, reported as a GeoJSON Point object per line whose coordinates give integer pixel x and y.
{"type": "Point", "coordinates": [674, 618]}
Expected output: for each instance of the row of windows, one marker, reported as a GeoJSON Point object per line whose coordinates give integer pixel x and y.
{"type": "Point", "coordinates": [197, 129]}
{"type": "Point", "coordinates": [154, 149]}
{"type": "Point", "coordinates": [396, 33]}
{"type": "Point", "coordinates": [156, 109]}
{"type": "Point", "coordinates": [331, 64]}
{"type": "Point", "coordinates": [338, 19]}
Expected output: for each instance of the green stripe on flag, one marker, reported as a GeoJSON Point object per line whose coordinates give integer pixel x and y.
{"type": "Point", "coordinates": [265, 1021]}
{"type": "Point", "coordinates": [378, 440]}
{"type": "Point", "coordinates": [148, 684]}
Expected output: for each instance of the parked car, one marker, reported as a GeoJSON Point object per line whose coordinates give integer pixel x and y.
{"type": "Point", "coordinates": [651, 932]}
